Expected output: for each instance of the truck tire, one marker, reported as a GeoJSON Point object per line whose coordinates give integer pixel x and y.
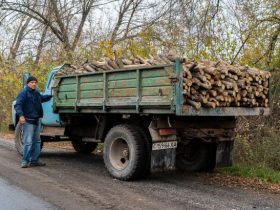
{"type": "Point", "coordinates": [125, 152]}
{"type": "Point", "coordinates": [211, 160]}
{"type": "Point", "coordinates": [19, 140]}
{"type": "Point", "coordinates": [148, 144]}
{"type": "Point", "coordinates": [83, 147]}
{"type": "Point", "coordinates": [195, 156]}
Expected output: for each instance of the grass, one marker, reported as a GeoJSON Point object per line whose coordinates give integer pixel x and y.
{"type": "Point", "coordinates": [260, 172]}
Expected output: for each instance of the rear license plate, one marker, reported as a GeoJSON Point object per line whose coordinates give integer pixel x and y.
{"type": "Point", "coordinates": [164, 145]}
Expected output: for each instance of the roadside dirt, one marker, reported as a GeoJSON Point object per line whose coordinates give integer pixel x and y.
{"type": "Point", "coordinates": [74, 181]}
{"type": "Point", "coordinates": [215, 177]}
{"type": "Point", "coordinates": [242, 182]}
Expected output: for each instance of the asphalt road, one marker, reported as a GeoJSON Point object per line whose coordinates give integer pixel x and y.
{"type": "Point", "coordinates": [74, 181]}
{"type": "Point", "coordinates": [12, 197]}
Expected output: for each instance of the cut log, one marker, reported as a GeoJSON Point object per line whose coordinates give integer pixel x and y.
{"type": "Point", "coordinates": [142, 60]}
{"type": "Point", "coordinates": [111, 63]}
{"type": "Point", "coordinates": [87, 67]}
{"type": "Point", "coordinates": [220, 98]}
{"type": "Point", "coordinates": [165, 59]}
{"type": "Point", "coordinates": [211, 71]}
{"type": "Point", "coordinates": [201, 77]}
{"type": "Point", "coordinates": [196, 105]}
{"type": "Point", "coordinates": [218, 83]}
{"type": "Point", "coordinates": [127, 61]}
{"type": "Point", "coordinates": [120, 63]}
{"type": "Point", "coordinates": [188, 82]}
{"type": "Point", "coordinates": [186, 72]}
{"type": "Point", "coordinates": [211, 105]}
{"type": "Point", "coordinates": [213, 93]}
{"type": "Point", "coordinates": [199, 98]}
{"type": "Point", "coordinates": [193, 91]}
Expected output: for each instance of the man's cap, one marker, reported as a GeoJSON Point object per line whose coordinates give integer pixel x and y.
{"type": "Point", "coordinates": [31, 78]}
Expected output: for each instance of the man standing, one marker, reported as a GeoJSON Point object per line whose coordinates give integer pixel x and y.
{"type": "Point", "coordinates": [29, 109]}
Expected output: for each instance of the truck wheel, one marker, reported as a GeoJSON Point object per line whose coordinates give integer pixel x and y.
{"type": "Point", "coordinates": [83, 147]}
{"type": "Point", "coordinates": [148, 144]}
{"type": "Point", "coordinates": [211, 160]}
{"type": "Point", "coordinates": [19, 139]}
{"type": "Point", "coordinates": [194, 157]}
{"type": "Point", "coordinates": [125, 152]}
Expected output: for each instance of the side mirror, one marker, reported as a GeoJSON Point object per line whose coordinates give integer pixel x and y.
{"type": "Point", "coordinates": [25, 77]}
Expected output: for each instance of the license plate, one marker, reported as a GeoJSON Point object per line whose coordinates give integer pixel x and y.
{"type": "Point", "coordinates": [164, 145]}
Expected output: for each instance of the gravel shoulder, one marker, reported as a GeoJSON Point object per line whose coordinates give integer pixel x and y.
{"type": "Point", "coordinates": [74, 181]}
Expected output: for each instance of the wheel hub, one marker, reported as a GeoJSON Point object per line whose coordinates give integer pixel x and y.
{"type": "Point", "coordinates": [119, 154]}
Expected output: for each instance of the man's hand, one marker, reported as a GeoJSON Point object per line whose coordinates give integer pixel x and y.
{"type": "Point", "coordinates": [22, 120]}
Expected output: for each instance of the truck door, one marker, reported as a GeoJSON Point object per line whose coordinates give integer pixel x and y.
{"type": "Point", "coordinates": [50, 118]}
{"type": "Point", "coordinates": [24, 78]}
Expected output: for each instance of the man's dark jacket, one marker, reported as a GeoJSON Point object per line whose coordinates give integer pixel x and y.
{"type": "Point", "coordinates": [29, 104]}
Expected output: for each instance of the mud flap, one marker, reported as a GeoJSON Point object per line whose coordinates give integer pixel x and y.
{"type": "Point", "coordinates": [224, 154]}
{"type": "Point", "coordinates": [163, 160]}
{"type": "Point", "coordinates": [163, 157]}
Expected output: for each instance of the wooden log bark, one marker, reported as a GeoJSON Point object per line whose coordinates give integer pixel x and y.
{"type": "Point", "coordinates": [88, 67]}
{"type": "Point", "coordinates": [127, 61]}
{"type": "Point", "coordinates": [199, 98]}
{"type": "Point", "coordinates": [111, 63]}
{"type": "Point", "coordinates": [196, 105]}
{"type": "Point", "coordinates": [211, 71]}
{"type": "Point", "coordinates": [211, 105]}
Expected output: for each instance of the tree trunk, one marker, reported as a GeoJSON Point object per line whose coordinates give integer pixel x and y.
{"type": "Point", "coordinates": [41, 45]}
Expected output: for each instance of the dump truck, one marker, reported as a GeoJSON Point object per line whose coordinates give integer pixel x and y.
{"type": "Point", "coordinates": [140, 117]}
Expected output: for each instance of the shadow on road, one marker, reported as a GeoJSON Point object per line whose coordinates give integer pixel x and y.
{"type": "Point", "coordinates": [94, 161]}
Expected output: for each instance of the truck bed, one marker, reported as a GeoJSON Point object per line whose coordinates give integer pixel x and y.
{"type": "Point", "coordinates": [155, 90]}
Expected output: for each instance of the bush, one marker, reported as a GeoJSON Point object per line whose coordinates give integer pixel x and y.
{"type": "Point", "coordinates": [258, 138]}
{"type": "Point", "coordinates": [11, 84]}
{"type": "Point", "coordinates": [260, 149]}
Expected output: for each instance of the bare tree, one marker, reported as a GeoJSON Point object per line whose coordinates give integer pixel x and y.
{"type": "Point", "coordinates": [65, 19]}
{"type": "Point", "coordinates": [134, 16]}
{"type": "Point", "coordinates": [19, 36]}
{"type": "Point", "coordinates": [41, 44]}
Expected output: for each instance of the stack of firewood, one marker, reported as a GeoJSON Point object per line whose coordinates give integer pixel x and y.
{"type": "Point", "coordinates": [108, 64]}
{"type": "Point", "coordinates": [205, 83]}
{"type": "Point", "coordinates": [210, 84]}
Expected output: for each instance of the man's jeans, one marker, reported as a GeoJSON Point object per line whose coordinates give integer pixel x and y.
{"type": "Point", "coordinates": [31, 143]}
